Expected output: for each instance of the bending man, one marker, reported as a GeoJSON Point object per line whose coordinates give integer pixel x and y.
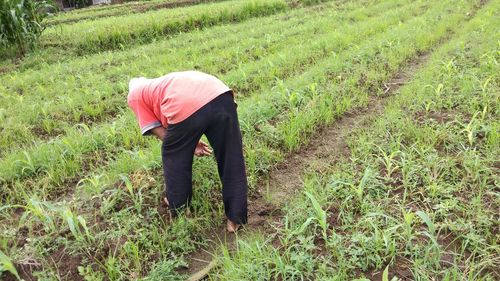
{"type": "Point", "coordinates": [179, 108]}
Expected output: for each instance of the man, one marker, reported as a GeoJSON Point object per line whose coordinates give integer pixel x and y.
{"type": "Point", "coordinates": [179, 108]}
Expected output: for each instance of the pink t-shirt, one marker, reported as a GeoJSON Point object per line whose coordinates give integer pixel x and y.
{"type": "Point", "coordinates": [171, 98]}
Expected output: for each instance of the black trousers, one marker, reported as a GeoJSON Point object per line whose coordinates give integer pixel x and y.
{"type": "Point", "coordinates": [218, 120]}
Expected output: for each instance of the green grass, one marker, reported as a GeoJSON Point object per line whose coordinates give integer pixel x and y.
{"type": "Point", "coordinates": [117, 134]}
{"type": "Point", "coordinates": [49, 117]}
{"type": "Point", "coordinates": [120, 32]}
{"type": "Point", "coordinates": [94, 12]}
{"type": "Point", "coordinates": [428, 210]}
{"type": "Point", "coordinates": [89, 191]}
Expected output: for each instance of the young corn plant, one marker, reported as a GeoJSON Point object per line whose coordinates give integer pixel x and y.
{"type": "Point", "coordinates": [433, 251]}
{"type": "Point", "coordinates": [93, 185]}
{"type": "Point", "coordinates": [43, 211]}
{"type": "Point", "coordinates": [291, 232]}
{"type": "Point", "coordinates": [359, 189]}
{"type": "Point", "coordinates": [429, 103]}
{"type": "Point", "coordinates": [388, 160]}
{"type": "Point", "coordinates": [77, 225]}
{"type": "Point", "coordinates": [28, 165]}
{"type": "Point", "coordinates": [408, 232]}
{"type": "Point", "coordinates": [137, 198]}
{"type": "Point", "coordinates": [320, 215]}
{"type": "Point", "coordinates": [470, 129]}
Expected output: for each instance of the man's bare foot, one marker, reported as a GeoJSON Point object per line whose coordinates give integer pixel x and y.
{"type": "Point", "coordinates": [232, 227]}
{"type": "Point", "coordinates": [165, 199]}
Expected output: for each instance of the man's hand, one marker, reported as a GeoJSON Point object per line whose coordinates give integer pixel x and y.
{"type": "Point", "coordinates": [202, 149]}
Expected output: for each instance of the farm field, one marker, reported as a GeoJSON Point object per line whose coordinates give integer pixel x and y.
{"type": "Point", "coordinates": [95, 12]}
{"type": "Point", "coordinates": [370, 132]}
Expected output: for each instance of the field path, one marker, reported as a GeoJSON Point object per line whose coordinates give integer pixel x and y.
{"type": "Point", "coordinates": [327, 145]}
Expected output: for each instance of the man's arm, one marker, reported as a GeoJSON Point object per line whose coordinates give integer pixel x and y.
{"type": "Point", "coordinates": [159, 132]}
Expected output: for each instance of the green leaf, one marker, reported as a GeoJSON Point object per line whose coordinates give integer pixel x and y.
{"type": "Point", "coordinates": [424, 217]}
{"type": "Point", "coordinates": [7, 265]}
{"type": "Point", "coordinates": [320, 213]}
{"type": "Point", "coordinates": [385, 275]}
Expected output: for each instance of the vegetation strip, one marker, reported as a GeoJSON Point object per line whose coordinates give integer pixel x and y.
{"type": "Point", "coordinates": [123, 128]}
{"type": "Point", "coordinates": [328, 146]}
{"type": "Point", "coordinates": [120, 9]}
{"type": "Point", "coordinates": [118, 231]}
{"type": "Point", "coordinates": [47, 116]}
{"type": "Point", "coordinates": [372, 212]}
{"type": "Point", "coordinates": [161, 24]}
{"type": "Point", "coordinates": [104, 34]}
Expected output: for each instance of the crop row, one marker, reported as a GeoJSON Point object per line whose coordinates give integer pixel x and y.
{"type": "Point", "coordinates": [49, 116]}
{"type": "Point", "coordinates": [121, 32]}
{"type": "Point", "coordinates": [319, 89]}
{"type": "Point", "coordinates": [50, 161]}
{"type": "Point", "coordinates": [126, 163]}
{"type": "Point", "coordinates": [87, 95]}
{"type": "Point", "coordinates": [255, 114]}
{"type": "Point", "coordinates": [395, 199]}
{"type": "Point", "coordinates": [124, 32]}
{"type": "Point", "coordinates": [94, 12]}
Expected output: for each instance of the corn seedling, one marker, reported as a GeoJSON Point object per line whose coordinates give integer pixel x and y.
{"type": "Point", "coordinates": [320, 215]}
{"type": "Point", "coordinates": [137, 198]}
{"type": "Point", "coordinates": [93, 185]}
{"type": "Point", "coordinates": [77, 225]}
{"type": "Point", "coordinates": [43, 211]}
{"type": "Point", "coordinates": [388, 160]}
{"type": "Point", "coordinates": [470, 129]}
{"type": "Point", "coordinates": [408, 221]}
